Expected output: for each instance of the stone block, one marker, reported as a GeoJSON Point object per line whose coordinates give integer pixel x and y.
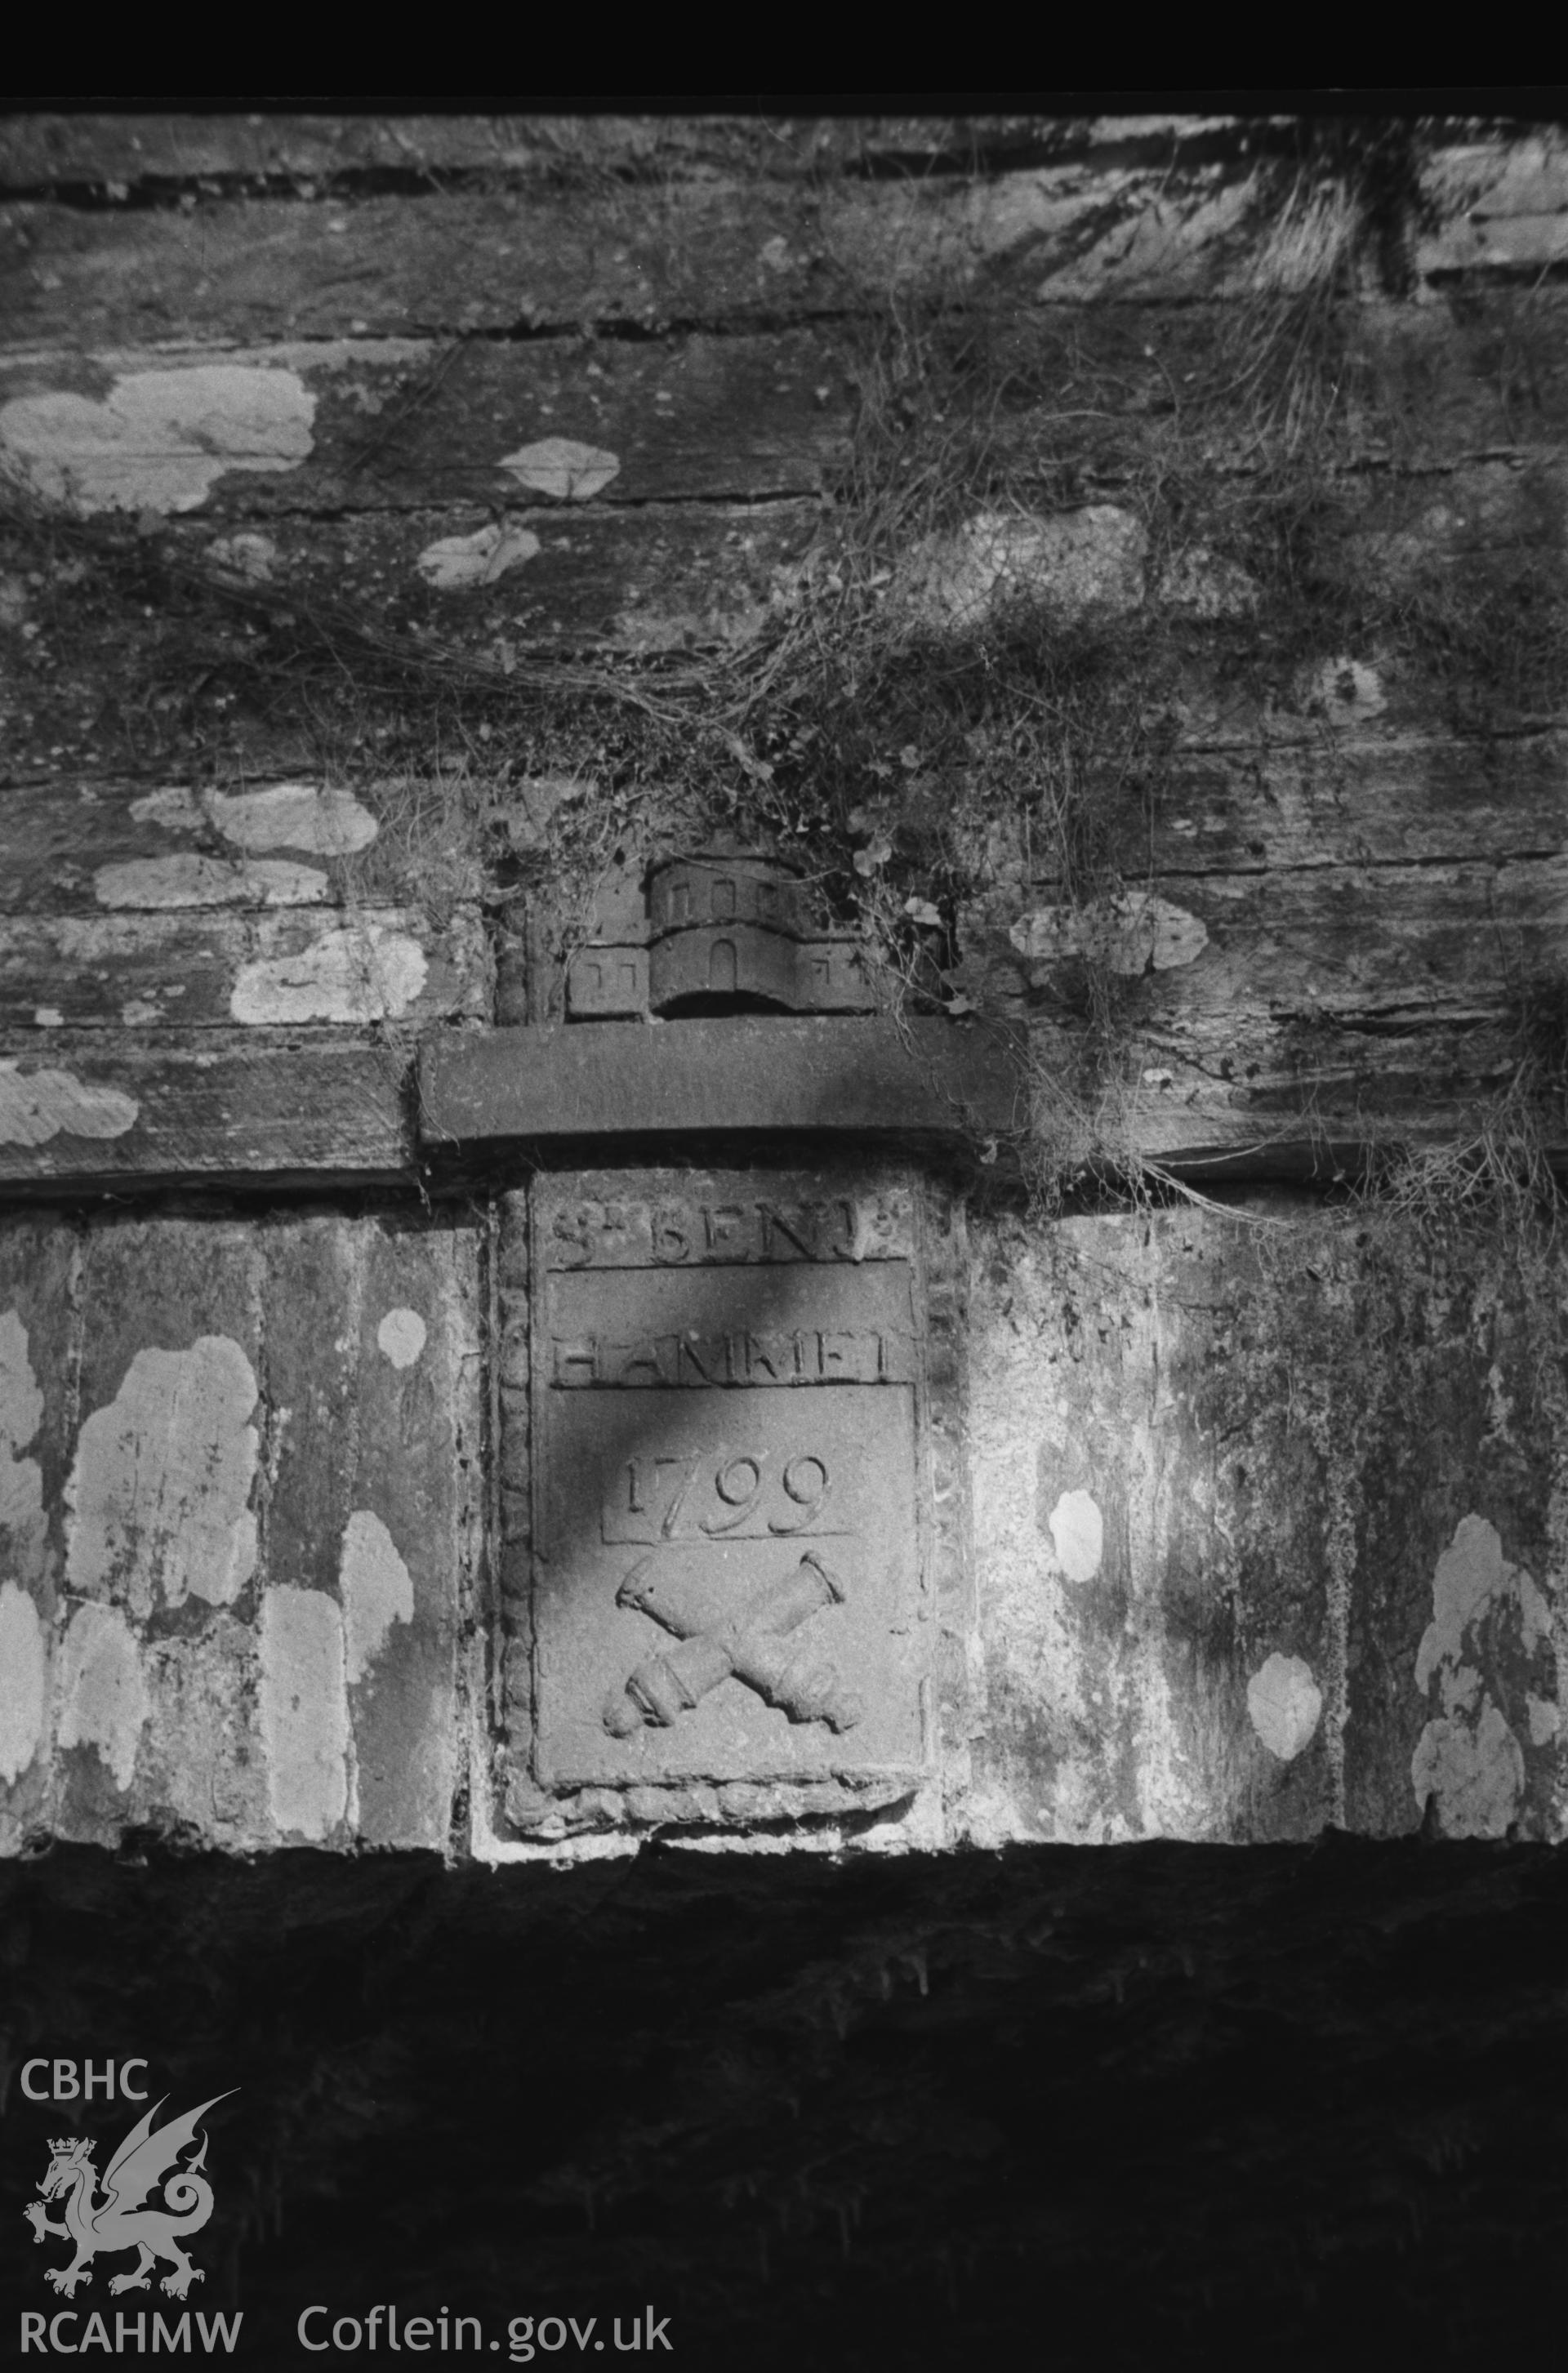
{"type": "Point", "coordinates": [865, 1076]}
{"type": "Point", "coordinates": [237, 1571]}
{"type": "Point", "coordinates": [731, 1494]}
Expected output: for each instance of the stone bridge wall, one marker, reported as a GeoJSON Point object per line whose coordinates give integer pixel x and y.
{"type": "Point", "coordinates": [1254, 1509]}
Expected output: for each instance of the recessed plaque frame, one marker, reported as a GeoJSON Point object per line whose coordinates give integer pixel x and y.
{"type": "Point", "coordinates": [737, 1579]}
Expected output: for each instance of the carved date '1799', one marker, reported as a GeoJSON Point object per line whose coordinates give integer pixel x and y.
{"type": "Point", "coordinates": [716, 1494]}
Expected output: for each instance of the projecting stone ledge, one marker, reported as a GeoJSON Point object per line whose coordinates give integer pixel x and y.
{"type": "Point", "coordinates": [863, 1077]}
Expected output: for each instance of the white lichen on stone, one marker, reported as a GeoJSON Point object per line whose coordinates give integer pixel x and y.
{"type": "Point", "coordinates": [1475, 1770]}
{"type": "Point", "coordinates": [561, 467]}
{"type": "Point", "coordinates": [1064, 567]}
{"type": "Point", "coordinates": [325, 821]}
{"type": "Point", "coordinates": [1470, 1573]}
{"type": "Point", "coordinates": [304, 1712]}
{"type": "Point", "coordinates": [1535, 1611]}
{"type": "Point", "coordinates": [250, 555]}
{"type": "Point", "coordinates": [455, 561]}
{"type": "Point", "coordinates": [37, 1105]}
{"type": "Point", "coordinates": [370, 973]}
{"type": "Point", "coordinates": [187, 879]}
{"type": "Point", "coordinates": [174, 808]}
{"type": "Point", "coordinates": [158, 1495]}
{"type": "Point", "coordinates": [1468, 1757]}
{"type": "Point", "coordinates": [401, 1336]}
{"type": "Point", "coordinates": [201, 1754]}
{"type": "Point", "coordinates": [1078, 1536]}
{"type": "Point", "coordinates": [1348, 692]}
{"type": "Point", "coordinates": [23, 1644]}
{"type": "Point", "coordinates": [1285, 1704]}
{"type": "Point", "coordinates": [24, 1674]}
{"type": "Point", "coordinates": [1200, 583]}
{"type": "Point", "coordinates": [160, 438]}
{"type": "Point", "coordinates": [378, 1590]}
{"type": "Point", "coordinates": [1132, 933]}
{"type": "Point", "coordinates": [21, 1414]}
{"type": "Point", "coordinates": [1545, 1720]}
{"type": "Point", "coordinates": [103, 1699]}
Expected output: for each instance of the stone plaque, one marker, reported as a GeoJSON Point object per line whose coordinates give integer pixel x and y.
{"type": "Point", "coordinates": [728, 1463]}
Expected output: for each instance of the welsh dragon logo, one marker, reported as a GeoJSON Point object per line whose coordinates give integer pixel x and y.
{"type": "Point", "coordinates": [124, 2219]}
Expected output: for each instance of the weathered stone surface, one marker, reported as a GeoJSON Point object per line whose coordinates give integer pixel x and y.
{"type": "Point", "coordinates": [198, 968]}
{"type": "Point", "coordinates": [158, 156]}
{"type": "Point", "coordinates": [1267, 1011]}
{"type": "Point", "coordinates": [38, 1399]}
{"type": "Point", "coordinates": [377, 1493]}
{"type": "Point", "coordinates": [1225, 1588]}
{"type": "Point", "coordinates": [716, 247]}
{"type": "Point", "coordinates": [729, 1498]}
{"type": "Point", "coordinates": [158, 438]}
{"type": "Point", "coordinates": [416, 423]}
{"type": "Point", "coordinates": [1506, 207]}
{"type": "Point", "coordinates": [122, 1106]}
{"type": "Point", "coordinates": [97, 846]}
{"type": "Point", "coordinates": [241, 1525]}
{"type": "Point", "coordinates": [404, 423]}
{"type": "Point", "coordinates": [864, 1076]}
{"type": "Point", "coordinates": [1269, 1531]}
{"type": "Point", "coordinates": [995, 566]}
{"type": "Point", "coordinates": [1341, 919]}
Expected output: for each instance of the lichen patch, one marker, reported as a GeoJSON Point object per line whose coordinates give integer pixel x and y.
{"type": "Point", "coordinates": [160, 439]}
{"type": "Point", "coordinates": [1198, 583]}
{"type": "Point", "coordinates": [250, 555]}
{"type": "Point", "coordinates": [378, 1590]}
{"type": "Point", "coordinates": [1470, 1573]}
{"type": "Point", "coordinates": [1066, 566]}
{"type": "Point", "coordinates": [326, 822]}
{"type": "Point", "coordinates": [21, 1414]}
{"type": "Point", "coordinates": [1078, 1536]}
{"type": "Point", "coordinates": [1475, 1770]}
{"type": "Point", "coordinates": [174, 808]}
{"type": "Point", "coordinates": [1348, 692]}
{"type": "Point", "coordinates": [304, 1712]}
{"type": "Point", "coordinates": [160, 1491]}
{"type": "Point", "coordinates": [1545, 1720]}
{"type": "Point", "coordinates": [24, 1667]}
{"type": "Point", "coordinates": [369, 974]}
{"type": "Point", "coordinates": [187, 879]}
{"type": "Point", "coordinates": [455, 561]}
{"type": "Point", "coordinates": [1132, 933]}
{"type": "Point", "coordinates": [37, 1105]}
{"type": "Point", "coordinates": [1285, 1703]}
{"type": "Point", "coordinates": [401, 1336]}
{"type": "Point", "coordinates": [103, 1699]}
{"type": "Point", "coordinates": [1468, 1758]}
{"type": "Point", "coordinates": [561, 467]}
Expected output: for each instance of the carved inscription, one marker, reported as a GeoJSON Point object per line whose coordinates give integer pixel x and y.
{"type": "Point", "coordinates": [804, 1356]}
{"type": "Point", "coordinates": [680, 1230]}
{"type": "Point", "coordinates": [726, 1396]}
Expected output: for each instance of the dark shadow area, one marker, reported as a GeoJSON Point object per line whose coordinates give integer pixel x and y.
{"type": "Point", "coordinates": [717, 1004]}
{"type": "Point", "coordinates": [1126, 2107]}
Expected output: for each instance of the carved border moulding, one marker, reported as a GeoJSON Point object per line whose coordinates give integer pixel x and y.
{"type": "Point", "coordinates": [726, 1591]}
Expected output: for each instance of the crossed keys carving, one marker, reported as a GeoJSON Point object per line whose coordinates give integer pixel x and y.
{"type": "Point", "coordinates": [755, 1645]}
